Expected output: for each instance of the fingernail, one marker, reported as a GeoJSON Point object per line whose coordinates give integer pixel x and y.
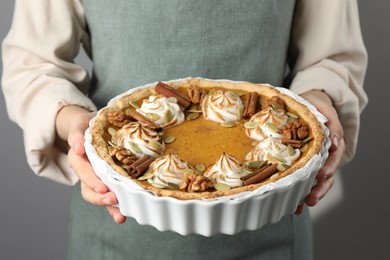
{"type": "Point", "coordinates": [334, 144]}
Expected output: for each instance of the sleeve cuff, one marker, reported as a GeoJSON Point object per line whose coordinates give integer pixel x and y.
{"type": "Point", "coordinates": [46, 155]}
{"type": "Point", "coordinates": [345, 101]}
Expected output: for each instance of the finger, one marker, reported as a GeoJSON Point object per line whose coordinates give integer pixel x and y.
{"type": "Point", "coordinates": [84, 171]}
{"type": "Point", "coordinates": [332, 163]}
{"type": "Point", "coordinates": [76, 141]}
{"type": "Point", "coordinates": [299, 209]}
{"type": "Point", "coordinates": [335, 127]}
{"type": "Point", "coordinates": [319, 191]}
{"type": "Point", "coordinates": [76, 133]}
{"type": "Point", "coordinates": [325, 106]}
{"type": "Point", "coordinates": [98, 199]}
{"type": "Point", "coordinates": [336, 134]}
{"type": "Point", "coordinates": [116, 214]}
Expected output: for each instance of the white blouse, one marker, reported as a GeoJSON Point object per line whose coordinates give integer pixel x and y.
{"type": "Point", "coordinates": [40, 77]}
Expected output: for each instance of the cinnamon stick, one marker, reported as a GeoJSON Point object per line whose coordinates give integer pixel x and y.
{"type": "Point", "coordinates": [250, 104]}
{"type": "Point", "coordinates": [262, 175]}
{"type": "Point", "coordinates": [182, 99]}
{"type": "Point", "coordinates": [246, 177]}
{"type": "Point", "coordinates": [140, 166]}
{"type": "Point", "coordinates": [143, 119]}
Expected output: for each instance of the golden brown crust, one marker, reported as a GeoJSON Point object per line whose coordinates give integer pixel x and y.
{"type": "Point", "coordinates": [99, 133]}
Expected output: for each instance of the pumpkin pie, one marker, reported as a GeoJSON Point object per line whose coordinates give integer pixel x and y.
{"type": "Point", "coordinates": [198, 139]}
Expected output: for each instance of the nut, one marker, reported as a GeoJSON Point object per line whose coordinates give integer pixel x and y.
{"type": "Point", "coordinates": [303, 132]}
{"type": "Point", "coordinates": [275, 102]}
{"type": "Point", "coordinates": [118, 119]}
{"type": "Point", "coordinates": [196, 94]}
{"type": "Point", "coordinates": [196, 183]}
{"type": "Point", "coordinates": [123, 155]}
{"type": "Point", "coordinates": [295, 131]}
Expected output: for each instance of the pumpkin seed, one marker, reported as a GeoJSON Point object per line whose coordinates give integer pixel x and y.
{"type": "Point", "coordinates": [221, 187]}
{"type": "Point", "coordinates": [247, 170]}
{"type": "Point", "coordinates": [307, 139]}
{"type": "Point", "coordinates": [111, 131]}
{"type": "Point", "coordinates": [157, 185]}
{"type": "Point", "coordinates": [124, 166]}
{"type": "Point", "coordinates": [291, 120]}
{"type": "Point", "coordinates": [147, 175]}
{"type": "Point", "coordinates": [134, 147]}
{"type": "Point", "coordinates": [290, 150]}
{"type": "Point", "coordinates": [227, 124]}
{"type": "Point", "coordinates": [192, 116]}
{"type": "Point", "coordinates": [277, 106]}
{"type": "Point", "coordinates": [169, 139]}
{"type": "Point", "coordinates": [278, 111]}
{"type": "Point", "coordinates": [255, 164]}
{"type": "Point", "coordinates": [274, 176]}
{"type": "Point", "coordinates": [111, 144]}
{"type": "Point", "coordinates": [172, 186]}
{"type": "Point", "coordinates": [153, 116]}
{"type": "Point", "coordinates": [200, 167]}
{"type": "Point", "coordinates": [282, 167]}
{"type": "Point", "coordinates": [250, 125]}
{"type": "Point", "coordinates": [279, 158]}
{"type": "Point", "coordinates": [188, 172]}
{"type": "Point", "coordinates": [195, 111]}
{"type": "Point", "coordinates": [272, 127]}
{"type": "Point", "coordinates": [134, 104]}
{"type": "Point", "coordinates": [240, 110]}
{"type": "Point", "coordinates": [304, 148]}
{"type": "Point", "coordinates": [155, 145]}
{"type": "Point", "coordinates": [291, 114]}
{"type": "Point", "coordinates": [168, 116]}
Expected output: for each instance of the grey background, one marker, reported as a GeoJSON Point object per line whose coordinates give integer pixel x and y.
{"type": "Point", "coordinates": [34, 211]}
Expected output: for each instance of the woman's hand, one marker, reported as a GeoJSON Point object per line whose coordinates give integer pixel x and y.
{"type": "Point", "coordinates": [71, 123]}
{"type": "Point", "coordinates": [325, 177]}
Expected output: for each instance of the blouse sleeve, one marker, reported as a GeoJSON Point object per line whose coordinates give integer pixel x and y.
{"type": "Point", "coordinates": [40, 77]}
{"type": "Point", "coordinates": [328, 54]}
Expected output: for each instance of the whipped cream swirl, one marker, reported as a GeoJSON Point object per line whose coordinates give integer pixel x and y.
{"type": "Point", "coordinates": [140, 139]}
{"type": "Point", "coordinates": [222, 106]}
{"type": "Point", "coordinates": [167, 169]}
{"type": "Point", "coordinates": [226, 170]}
{"type": "Point", "coordinates": [164, 111]}
{"type": "Point", "coordinates": [277, 118]}
{"type": "Point", "coordinates": [272, 150]}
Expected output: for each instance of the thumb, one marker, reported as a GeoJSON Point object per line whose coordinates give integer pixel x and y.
{"type": "Point", "coordinates": [76, 141]}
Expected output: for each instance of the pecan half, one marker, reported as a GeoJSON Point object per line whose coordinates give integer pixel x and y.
{"type": "Point", "coordinates": [196, 94]}
{"type": "Point", "coordinates": [275, 102]}
{"type": "Point", "coordinates": [295, 131]}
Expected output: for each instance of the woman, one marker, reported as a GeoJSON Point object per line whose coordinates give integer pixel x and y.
{"type": "Point", "coordinates": [313, 47]}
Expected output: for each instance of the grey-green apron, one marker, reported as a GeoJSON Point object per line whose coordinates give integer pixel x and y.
{"type": "Point", "coordinates": [138, 42]}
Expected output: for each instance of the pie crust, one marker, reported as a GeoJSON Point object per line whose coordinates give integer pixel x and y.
{"type": "Point", "coordinates": [100, 135]}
